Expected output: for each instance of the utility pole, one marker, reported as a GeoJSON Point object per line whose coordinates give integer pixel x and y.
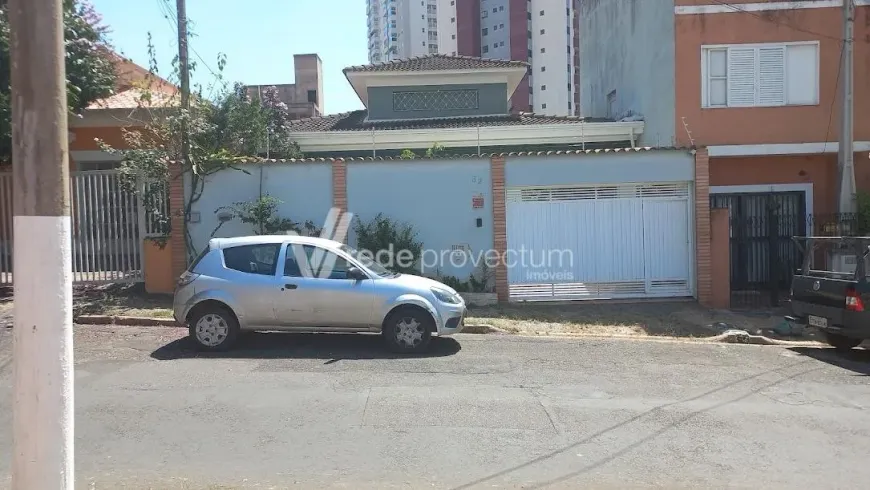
{"type": "Point", "coordinates": [43, 351]}
{"type": "Point", "coordinates": [846, 154]}
{"type": "Point", "coordinates": [184, 68]}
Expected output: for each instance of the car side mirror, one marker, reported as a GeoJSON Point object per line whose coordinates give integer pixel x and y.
{"type": "Point", "coordinates": [355, 273]}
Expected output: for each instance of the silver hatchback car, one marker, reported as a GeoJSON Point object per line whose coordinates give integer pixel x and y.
{"type": "Point", "coordinates": [305, 284]}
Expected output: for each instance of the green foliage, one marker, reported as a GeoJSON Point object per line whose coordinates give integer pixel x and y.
{"type": "Point", "coordinates": [455, 283]}
{"type": "Point", "coordinates": [474, 284]}
{"type": "Point", "coordinates": [407, 155]}
{"type": "Point", "coordinates": [90, 71]}
{"type": "Point", "coordinates": [862, 199]}
{"type": "Point", "coordinates": [435, 151]}
{"type": "Point", "coordinates": [386, 238]}
{"type": "Point", "coordinates": [226, 127]}
{"type": "Point", "coordinates": [262, 215]}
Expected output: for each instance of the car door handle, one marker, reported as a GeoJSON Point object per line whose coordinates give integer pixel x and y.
{"type": "Point", "coordinates": [289, 286]}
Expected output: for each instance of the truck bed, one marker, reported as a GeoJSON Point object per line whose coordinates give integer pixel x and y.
{"type": "Point", "coordinates": [819, 300]}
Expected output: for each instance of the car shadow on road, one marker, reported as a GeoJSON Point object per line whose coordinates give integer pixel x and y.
{"type": "Point", "coordinates": [855, 360]}
{"type": "Point", "coordinates": [279, 345]}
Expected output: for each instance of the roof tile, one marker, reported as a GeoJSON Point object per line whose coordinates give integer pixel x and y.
{"type": "Point", "coordinates": [135, 98]}
{"type": "Point", "coordinates": [356, 121]}
{"type": "Point", "coordinates": [436, 62]}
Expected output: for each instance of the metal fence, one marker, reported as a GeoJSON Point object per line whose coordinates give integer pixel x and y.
{"type": "Point", "coordinates": [108, 222]}
{"type": "Point", "coordinates": [763, 255]}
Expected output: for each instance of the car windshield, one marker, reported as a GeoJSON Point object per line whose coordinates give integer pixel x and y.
{"type": "Point", "coordinates": [367, 261]}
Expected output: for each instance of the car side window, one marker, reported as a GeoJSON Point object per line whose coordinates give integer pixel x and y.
{"type": "Point", "coordinates": [253, 259]}
{"type": "Point", "coordinates": [291, 266]}
{"type": "Point", "coordinates": [316, 262]}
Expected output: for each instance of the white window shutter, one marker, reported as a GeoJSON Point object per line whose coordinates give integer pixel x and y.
{"type": "Point", "coordinates": [802, 74]}
{"type": "Point", "coordinates": [771, 76]}
{"type": "Point", "coordinates": [741, 76]}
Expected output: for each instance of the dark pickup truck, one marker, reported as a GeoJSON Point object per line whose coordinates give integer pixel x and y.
{"type": "Point", "coordinates": [834, 302]}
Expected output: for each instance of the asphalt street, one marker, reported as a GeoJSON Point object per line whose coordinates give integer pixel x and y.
{"type": "Point", "coordinates": [331, 411]}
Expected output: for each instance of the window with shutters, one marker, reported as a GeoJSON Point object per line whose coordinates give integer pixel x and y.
{"type": "Point", "coordinates": [760, 75]}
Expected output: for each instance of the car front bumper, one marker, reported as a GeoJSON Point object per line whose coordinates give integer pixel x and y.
{"type": "Point", "coordinates": [451, 319]}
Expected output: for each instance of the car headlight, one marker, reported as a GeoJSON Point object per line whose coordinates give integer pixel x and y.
{"type": "Point", "coordinates": [445, 296]}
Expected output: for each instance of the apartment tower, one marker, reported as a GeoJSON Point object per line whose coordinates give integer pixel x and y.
{"type": "Point", "coordinates": [543, 33]}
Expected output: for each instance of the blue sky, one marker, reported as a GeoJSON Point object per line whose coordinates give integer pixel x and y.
{"type": "Point", "coordinates": [259, 38]}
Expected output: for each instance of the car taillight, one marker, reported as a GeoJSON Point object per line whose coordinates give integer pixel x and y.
{"type": "Point", "coordinates": [186, 278]}
{"type": "Point", "coordinates": [853, 301]}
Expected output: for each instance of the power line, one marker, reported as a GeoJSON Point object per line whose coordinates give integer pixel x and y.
{"type": "Point", "coordinates": [775, 21]}
{"type": "Point", "coordinates": [170, 17]}
{"type": "Point", "coordinates": [834, 98]}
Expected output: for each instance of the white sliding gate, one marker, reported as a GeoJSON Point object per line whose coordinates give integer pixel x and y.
{"type": "Point", "coordinates": [108, 224]}
{"type": "Point", "coordinates": [599, 242]}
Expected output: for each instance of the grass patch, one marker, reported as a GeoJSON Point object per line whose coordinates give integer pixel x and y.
{"type": "Point", "coordinates": [121, 300]}
{"type": "Point", "coordinates": [668, 319]}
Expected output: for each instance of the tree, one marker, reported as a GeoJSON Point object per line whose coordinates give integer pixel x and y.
{"type": "Point", "coordinates": [225, 127]}
{"type": "Point", "coordinates": [90, 69]}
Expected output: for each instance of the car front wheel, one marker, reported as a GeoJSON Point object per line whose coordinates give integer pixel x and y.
{"type": "Point", "coordinates": [408, 330]}
{"type": "Point", "coordinates": [213, 328]}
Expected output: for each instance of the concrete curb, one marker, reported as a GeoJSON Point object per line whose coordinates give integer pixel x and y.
{"type": "Point", "coordinates": [744, 337]}
{"type": "Point", "coordinates": [728, 337]}
{"type": "Point", "coordinates": [130, 321]}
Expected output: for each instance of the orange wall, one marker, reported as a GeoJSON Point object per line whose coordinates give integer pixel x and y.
{"type": "Point", "coordinates": [85, 138]}
{"type": "Point", "coordinates": [760, 125]}
{"type": "Point", "coordinates": [819, 170]}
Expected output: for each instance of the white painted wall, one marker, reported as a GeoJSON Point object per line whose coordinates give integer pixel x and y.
{"type": "Point", "coordinates": [627, 47]}
{"type": "Point", "coordinates": [304, 188]}
{"type": "Point", "coordinates": [434, 196]}
{"type": "Point", "coordinates": [447, 27]}
{"type": "Point", "coordinates": [556, 57]}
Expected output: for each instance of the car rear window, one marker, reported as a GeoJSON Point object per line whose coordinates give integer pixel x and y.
{"type": "Point", "coordinates": [253, 259]}
{"type": "Point", "coordinates": [199, 258]}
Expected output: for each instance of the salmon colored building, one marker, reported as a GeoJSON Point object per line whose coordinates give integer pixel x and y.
{"type": "Point", "coordinates": [137, 94]}
{"type": "Point", "coordinates": [755, 85]}
{"type": "Point", "coordinates": [759, 88]}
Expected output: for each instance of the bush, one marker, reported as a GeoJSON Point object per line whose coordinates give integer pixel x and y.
{"type": "Point", "coordinates": [386, 238]}
{"type": "Point", "coordinates": [862, 199]}
{"type": "Point", "coordinates": [261, 214]}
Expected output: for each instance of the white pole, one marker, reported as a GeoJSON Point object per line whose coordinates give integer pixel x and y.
{"type": "Point", "coordinates": [846, 160]}
{"type": "Point", "coordinates": [42, 434]}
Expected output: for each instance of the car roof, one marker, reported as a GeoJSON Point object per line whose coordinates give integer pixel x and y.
{"type": "Point", "coordinates": [220, 243]}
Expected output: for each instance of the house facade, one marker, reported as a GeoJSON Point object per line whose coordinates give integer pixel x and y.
{"type": "Point", "coordinates": [137, 92]}
{"type": "Point", "coordinates": [559, 208]}
{"type": "Point", "coordinates": [462, 103]}
{"type": "Point", "coordinates": [753, 82]}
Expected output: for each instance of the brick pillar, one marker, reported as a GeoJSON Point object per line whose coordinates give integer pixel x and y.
{"type": "Point", "coordinates": [720, 253]}
{"type": "Point", "coordinates": [703, 271]}
{"type": "Point", "coordinates": [499, 227]}
{"type": "Point", "coordinates": [177, 239]}
{"type": "Point", "coordinates": [339, 184]}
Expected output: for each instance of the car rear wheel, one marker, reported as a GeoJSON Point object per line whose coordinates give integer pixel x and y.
{"type": "Point", "coordinates": [842, 343]}
{"type": "Point", "coordinates": [408, 330]}
{"type": "Point", "coordinates": [213, 328]}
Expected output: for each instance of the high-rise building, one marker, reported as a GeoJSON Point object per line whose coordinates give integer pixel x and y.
{"type": "Point", "coordinates": [543, 33]}
{"type": "Point", "coordinates": [400, 29]}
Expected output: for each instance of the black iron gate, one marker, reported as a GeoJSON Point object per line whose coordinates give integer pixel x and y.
{"type": "Point", "coordinates": [763, 256]}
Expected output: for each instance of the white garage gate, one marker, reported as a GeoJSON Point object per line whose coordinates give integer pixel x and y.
{"type": "Point", "coordinates": [599, 241]}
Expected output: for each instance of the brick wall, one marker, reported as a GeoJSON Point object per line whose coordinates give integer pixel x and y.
{"type": "Point", "coordinates": [702, 227]}
{"type": "Point", "coordinates": [177, 239]}
{"type": "Point", "coordinates": [499, 227]}
{"type": "Point", "coordinates": [339, 184]}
